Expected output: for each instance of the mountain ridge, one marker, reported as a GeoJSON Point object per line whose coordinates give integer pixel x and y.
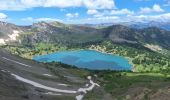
{"type": "Point", "coordinates": [66, 34]}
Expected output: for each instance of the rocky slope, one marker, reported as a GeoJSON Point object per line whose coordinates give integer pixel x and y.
{"type": "Point", "coordinates": [151, 35]}
{"type": "Point", "coordinates": [22, 79]}
{"type": "Point", "coordinates": [8, 32]}
{"type": "Point", "coordinates": [59, 33]}
{"type": "Point", "coordinates": [141, 25]}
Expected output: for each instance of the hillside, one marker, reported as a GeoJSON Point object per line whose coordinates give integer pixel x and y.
{"type": "Point", "coordinates": [147, 49]}
{"type": "Point", "coordinates": [63, 34]}
{"type": "Point", "coordinates": [23, 79]}
{"type": "Point", "coordinates": [60, 34]}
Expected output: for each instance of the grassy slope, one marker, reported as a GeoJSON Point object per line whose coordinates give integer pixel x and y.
{"type": "Point", "coordinates": [143, 60]}
{"type": "Point", "coordinates": [133, 86]}
{"type": "Point", "coordinates": [147, 84]}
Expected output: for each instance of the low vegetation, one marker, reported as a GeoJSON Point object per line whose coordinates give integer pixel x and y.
{"type": "Point", "coordinates": [133, 86]}
{"type": "Point", "coordinates": [150, 78]}
{"type": "Point", "coordinates": [143, 59]}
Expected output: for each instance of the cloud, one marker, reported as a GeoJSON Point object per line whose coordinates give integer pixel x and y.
{"type": "Point", "coordinates": [107, 19]}
{"type": "Point", "coordinates": [122, 12]}
{"type": "Point", "coordinates": [163, 17]}
{"type": "Point", "coordinates": [155, 8]}
{"type": "Point", "coordinates": [30, 19]}
{"type": "Point", "coordinates": [72, 15]}
{"type": "Point", "coordinates": [117, 12]}
{"type": "Point", "coordinates": [147, 18]}
{"type": "Point", "coordinates": [27, 4]}
{"type": "Point", "coordinates": [48, 19]}
{"type": "Point", "coordinates": [121, 19]}
{"type": "Point", "coordinates": [93, 11]}
{"type": "Point", "coordinates": [3, 16]}
{"type": "Point", "coordinates": [92, 20]}
{"type": "Point", "coordinates": [99, 4]}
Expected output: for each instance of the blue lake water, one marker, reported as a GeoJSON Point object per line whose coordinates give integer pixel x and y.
{"type": "Point", "coordinates": [87, 59]}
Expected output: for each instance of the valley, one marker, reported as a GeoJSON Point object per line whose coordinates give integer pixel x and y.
{"type": "Point", "coordinates": [84, 50]}
{"type": "Point", "coordinates": [33, 80]}
{"type": "Point", "coordinates": [149, 78]}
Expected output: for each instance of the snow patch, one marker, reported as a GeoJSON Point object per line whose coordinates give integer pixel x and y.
{"type": "Point", "coordinates": [79, 97]}
{"type": "Point", "coordinates": [80, 90]}
{"type": "Point", "coordinates": [4, 71]}
{"type": "Point", "coordinates": [47, 75]}
{"type": "Point", "coordinates": [153, 47]}
{"type": "Point", "coordinates": [63, 84]}
{"type": "Point", "coordinates": [89, 88]}
{"type": "Point", "coordinates": [2, 42]}
{"type": "Point", "coordinates": [89, 77]}
{"type": "Point", "coordinates": [85, 90]}
{"type": "Point", "coordinates": [87, 85]}
{"type": "Point", "coordinates": [14, 35]}
{"type": "Point", "coordinates": [42, 86]}
{"type": "Point", "coordinates": [16, 62]}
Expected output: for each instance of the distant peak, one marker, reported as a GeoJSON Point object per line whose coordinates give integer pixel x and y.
{"type": "Point", "coordinates": [4, 23]}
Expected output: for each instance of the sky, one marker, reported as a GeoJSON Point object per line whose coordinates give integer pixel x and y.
{"type": "Point", "coordinates": [26, 12]}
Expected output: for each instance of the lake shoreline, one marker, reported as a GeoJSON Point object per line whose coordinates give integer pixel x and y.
{"type": "Point", "coordinates": [86, 58]}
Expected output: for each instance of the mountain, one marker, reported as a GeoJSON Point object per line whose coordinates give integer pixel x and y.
{"type": "Point", "coordinates": [24, 79]}
{"type": "Point", "coordinates": [151, 35]}
{"type": "Point", "coordinates": [75, 34]}
{"type": "Point", "coordinates": [8, 32]}
{"type": "Point", "coordinates": [134, 24]}
{"type": "Point", "coordinates": [141, 25]}
{"type": "Point", "coordinates": [64, 34]}
{"type": "Point", "coordinates": [102, 25]}
{"type": "Point", "coordinates": [60, 33]}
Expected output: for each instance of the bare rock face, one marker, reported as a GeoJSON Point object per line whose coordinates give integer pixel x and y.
{"type": "Point", "coordinates": [9, 33]}
{"type": "Point", "coordinates": [8, 29]}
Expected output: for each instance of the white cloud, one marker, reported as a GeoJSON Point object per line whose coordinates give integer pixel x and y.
{"type": "Point", "coordinates": [72, 15]}
{"type": "Point", "coordinates": [162, 17]}
{"type": "Point", "coordinates": [26, 4]}
{"type": "Point", "coordinates": [98, 15]}
{"type": "Point", "coordinates": [120, 19]}
{"type": "Point", "coordinates": [92, 20]}
{"type": "Point", "coordinates": [107, 18]}
{"type": "Point", "coordinates": [146, 18]}
{"type": "Point", "coordinates": [61, 3]}
{"type": "Point", "coordinates": [99, 4]}
{"type": "Point", "coordinates": [30, 19]}
{"type": "Point", "coordinates": [122, 12]}
{"type": "Point", "coordinates": [155, 8]}
{"type": "Point", "coordinates": [3, 16]}
{"type": "Point", "coordinates": [117, 12]}
{"type": "Point", "coordinates": [48, 19]}
{"type": "Point", "coordinates": [93, 11]}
